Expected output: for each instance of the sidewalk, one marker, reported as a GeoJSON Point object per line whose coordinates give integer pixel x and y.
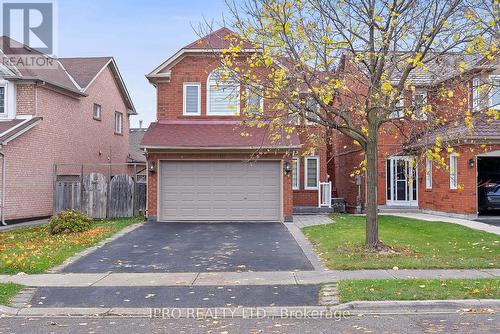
{"type": "Point", "coordinates": [437, 218]}
{"type": "Point", "coordinates": [235, 278]}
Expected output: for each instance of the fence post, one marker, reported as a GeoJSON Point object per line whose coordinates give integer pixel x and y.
{"type": "Point", "coordinates": [108, 195]}
{"type": "Point", "coordinates": [81, 188]}
{"type": "Point", "coordinates": [54, 195]}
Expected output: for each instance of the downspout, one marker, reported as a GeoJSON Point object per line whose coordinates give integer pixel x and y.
{"type": "Point", "coordinates": [4, 187]}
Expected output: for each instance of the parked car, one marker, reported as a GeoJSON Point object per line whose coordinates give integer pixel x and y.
{"type": "Point", "coordinates": [493, 197]}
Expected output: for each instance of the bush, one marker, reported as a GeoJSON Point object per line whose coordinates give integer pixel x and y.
{"type": "Point", "coordinates": [69, 221]}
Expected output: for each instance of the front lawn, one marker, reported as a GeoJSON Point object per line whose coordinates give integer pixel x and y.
{"type": "Point", "coordinates": [419, 289]}
{"type": "Point", "coordinates": [33, 249]}
{"type": "Point", "coordinates": [415, 244]}
{"type": "Point", "coordinates": [7, 291]}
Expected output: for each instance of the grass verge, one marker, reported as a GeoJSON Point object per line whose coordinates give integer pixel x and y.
{"type": "Point", "coordinates": [414, 244]}
{"type": "Point", "coordinates": [419, 289]}
{"type": "Point", "coordinates": [33, 250]}
{"type": "Point", "coordinates": [7, 291]}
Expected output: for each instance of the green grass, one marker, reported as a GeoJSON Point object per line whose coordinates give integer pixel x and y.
{"type": "Point", "coordinates": [417, 244]}
{"type": "Point", "coordinates": [33, 250]}
{"type": "Point", "coordinates": [419, 289]}
{"type": "Point", "coordinates": [7, 291]}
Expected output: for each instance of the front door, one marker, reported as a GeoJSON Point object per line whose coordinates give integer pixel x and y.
{"type": "Point", "coordinates": [401, 181]}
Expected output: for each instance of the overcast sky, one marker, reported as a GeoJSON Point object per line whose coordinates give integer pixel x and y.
{"type": "Point", "coordinates": [139, 34]}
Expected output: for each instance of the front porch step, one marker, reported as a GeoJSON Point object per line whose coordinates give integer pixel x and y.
{"type": "Point", "coordinates": [311, 210]}
{"type": "Point", "coordinates": [400, 209]}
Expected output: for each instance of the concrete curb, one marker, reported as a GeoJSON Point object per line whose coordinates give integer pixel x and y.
{"type": "Point", "coordinates": [85, 252]}
{"type": "Point", "coordinates": [342, 310]}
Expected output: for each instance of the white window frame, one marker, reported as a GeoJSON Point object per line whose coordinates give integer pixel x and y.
{"type": "Point", "coordinates": [184, 96]}
{"type": "Point", "coordinates": [398, 113]}
{"type": "Point", "coordinates": [318, 109]}
{"type": "Point", "coordinates": [118, 129]}
{"type": "Point", "coordinates": [249, 91]}
{"type": "Point", "coordinates": [97, 117]}
{"type": "Point", "coordinates": [9, 100]}
{"type": "Point", "coordinates": [237, 88]}
{"type": "Point", "coordinates": [428, 173]}
{"type": "Point", "coordinates": [476, 96]}
{"type": "Point", "coordinates": [422, 92]}
{"type": "Point", "coordinates": [490, 93]}
{"type": "Point", "coordinates": [453, 171]}
{"type": "Point", "coordinates": [306, 163]}
{"type": "Point", "coordinates": [296, 161]}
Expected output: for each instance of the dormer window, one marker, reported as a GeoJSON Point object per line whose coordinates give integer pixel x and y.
{"type": "Point", "coordinates": [486, 92]}
{"type": "Point", "coordinates": [223, 95]}
{"type": "Point", "coordinates": [7, 100]}
{"type": "Point", "coordinates": [495, 92]}
{"type": "Point", "coordinates": [398, 109]}
{"type": "Point", "coordinates": [2, 100]}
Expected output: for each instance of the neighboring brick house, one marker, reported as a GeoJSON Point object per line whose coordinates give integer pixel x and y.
{"type": "Point", "coordinates": [427, 186]}
{"type": "Point", "coordinates": [201, 165]}
{"type": "Point", "coordinates": [77, 111]}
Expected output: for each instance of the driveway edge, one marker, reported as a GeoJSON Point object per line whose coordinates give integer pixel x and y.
{"type": "Point", "coordinates": [85, 252]}
{"type": "Point", "coordinates": [345, 310]}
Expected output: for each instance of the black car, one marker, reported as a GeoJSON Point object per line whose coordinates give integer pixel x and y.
{"type": "Point", "coordinates": [492, 200]}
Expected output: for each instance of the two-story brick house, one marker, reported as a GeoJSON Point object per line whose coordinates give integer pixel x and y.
{"type": "Point", "coordinates": [201, 161]}
{"type": "Point", "coordinates": [74, 110]}
{"type": "Point", "coordinates": [407, 178]}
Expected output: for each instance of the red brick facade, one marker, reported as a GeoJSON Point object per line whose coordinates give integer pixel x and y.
{"type": "Point", "coordinates": [195, 68]}
{"type": "Point", "coordinates": [67, 134]}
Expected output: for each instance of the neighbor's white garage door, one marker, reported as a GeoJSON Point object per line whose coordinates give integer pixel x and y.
{"type": "Point", "coordinates": [220, 191]}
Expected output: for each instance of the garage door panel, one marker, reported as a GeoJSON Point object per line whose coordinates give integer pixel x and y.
{"type": "Point", "coordinates": [219, 190]}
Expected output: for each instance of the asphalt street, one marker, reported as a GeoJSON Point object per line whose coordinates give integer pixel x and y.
{"type": "Point", "coordinates": [414, 324]}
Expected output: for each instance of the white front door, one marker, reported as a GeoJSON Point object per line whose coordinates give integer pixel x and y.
{"type": "Point", "coordinates": [401, 181]}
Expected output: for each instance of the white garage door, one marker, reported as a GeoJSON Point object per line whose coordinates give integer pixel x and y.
{"type": "Point", "coordinates": [220, 191]}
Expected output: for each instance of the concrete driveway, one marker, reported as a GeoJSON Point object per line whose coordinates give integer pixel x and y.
{"type": "Point", "coordinates": [198, 247]}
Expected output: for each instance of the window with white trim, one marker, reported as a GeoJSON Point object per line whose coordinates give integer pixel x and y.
{"type": "Point", "coordinates": [296, 173]}
{"type": "Point", "coordinates": [191, 105]}
{"type": "Point", "coordinates": [96, 111]}
{"type": "Point", "coordinates": [453, 171]}
{"type": "Point", "coordinates": [118, 122]}
{"type": "Point", "coordinates": [494, 92]}
{"type": "Point", "coordinates": [476, 94]}
{"type": "Point", "coordinates": [223, 95]}
{"type": "Point", "coordinates": [2, 100]}
{"type": "Point", "coordinates": [419, 101]}
{"type": "Point", "coordinates": [428, 173]}
{"type": "Point", "coordinates": [398, 109]}
{"type": "Point", "coordinates": [312, 111]}
{"type": "Point", "coordinates": [311, 172]}
{"type": "Point", "coordinates": [255, 101]}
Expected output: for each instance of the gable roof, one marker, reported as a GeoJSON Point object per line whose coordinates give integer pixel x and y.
{"type": "Point", "coordinates": [213, 42]}
{"type": "Point", "coordinates": [84, 70]}
{"type": "Point", "coordinates": [71, 74]}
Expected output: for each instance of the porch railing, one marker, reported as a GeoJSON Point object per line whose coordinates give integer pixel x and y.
{"type": "Point", "coordinates": [325, 194]}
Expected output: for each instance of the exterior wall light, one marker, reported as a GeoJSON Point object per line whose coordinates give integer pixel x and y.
{"type": "Point", "coordinates": [287, 168]}
{"type": "Point", "coordinates": [152, 166]}
{"type": "Point", "coordinates": [472, 163]}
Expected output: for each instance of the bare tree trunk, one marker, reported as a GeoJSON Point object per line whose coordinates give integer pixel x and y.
{"type": "Point", "coordinates": [371, 192]}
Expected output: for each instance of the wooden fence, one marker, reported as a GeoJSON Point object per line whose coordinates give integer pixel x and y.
{"type": "Point", "coordinates": [112, 196]}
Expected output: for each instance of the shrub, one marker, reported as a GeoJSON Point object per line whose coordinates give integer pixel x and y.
{"type": "Point", "coordinates": [69, 221]}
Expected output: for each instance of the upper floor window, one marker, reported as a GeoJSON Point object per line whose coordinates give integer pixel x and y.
{"type": "Point", "coordinates": [118, 122]}
{"type": "Point", "coordinates": [453, 171]}
{"type": "Point", "coordinates": [398, 109]}
{"type": "Point", "coordinates": [312, 111]}
{"type": "Point", "coordinates": [419, 101]}
{"type": "Point", "coordinates": [255, 101]}
{"type": "Point", "coordinates": [223, 95]}
{"type": "Point", "coordinates": [495, 91]}
{"type": "Point", "coordinates": [191, 99]}
{"type": "Point", "coordinates": [2, 99]}
{"type": "Point", "coordinates": [96, 113]}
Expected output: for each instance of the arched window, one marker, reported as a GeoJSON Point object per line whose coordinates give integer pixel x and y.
{"type": "Point", "coordinates": [223, 95]}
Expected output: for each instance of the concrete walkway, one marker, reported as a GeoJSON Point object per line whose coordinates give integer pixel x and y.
{"type": "Point", "coordinates": [437, 218]}
{"type": "Point", "coordinates": [311, 220]}
{"type": "Point", "coordinates": [235, 278]}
